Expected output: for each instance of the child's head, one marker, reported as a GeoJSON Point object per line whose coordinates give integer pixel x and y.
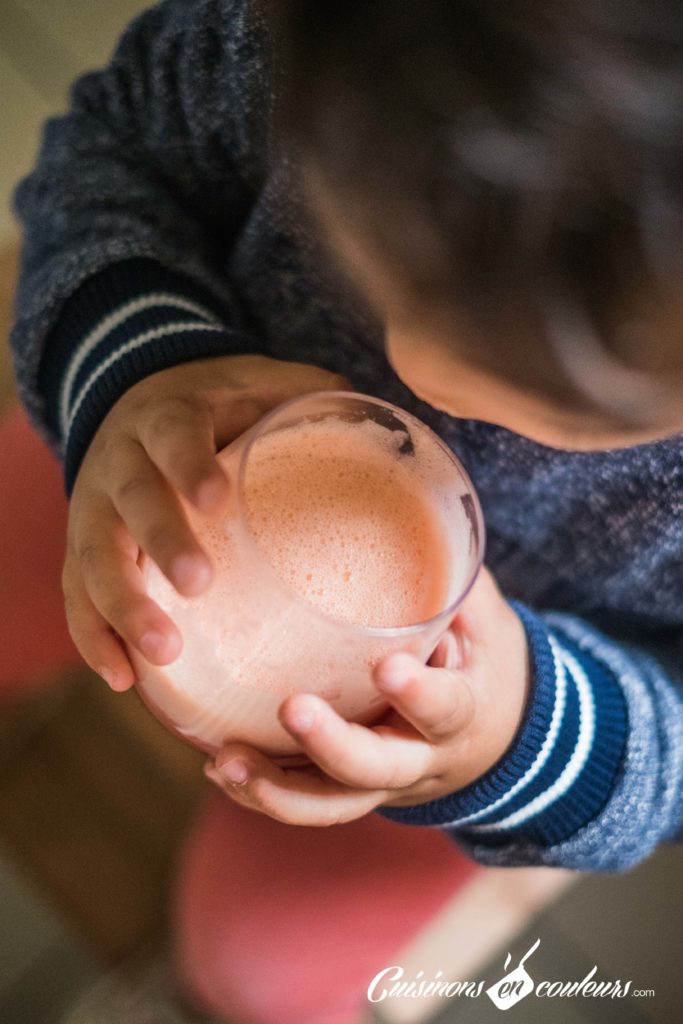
{"type": "Point", "coordinates": [505, 179]}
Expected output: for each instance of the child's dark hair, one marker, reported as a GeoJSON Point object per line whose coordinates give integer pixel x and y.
{"type": "Point", "coordinates": [493, 146]}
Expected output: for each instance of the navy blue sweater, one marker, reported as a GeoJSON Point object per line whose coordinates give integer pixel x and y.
{"type": "Point", "coordinates": [161, 225]}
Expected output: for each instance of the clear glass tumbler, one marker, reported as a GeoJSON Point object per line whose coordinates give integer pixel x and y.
{"type": "Point", "coordinates": [252, 639]}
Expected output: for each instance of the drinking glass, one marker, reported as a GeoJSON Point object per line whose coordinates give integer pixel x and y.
{"type": "Point", "coordinates": [250, 640]}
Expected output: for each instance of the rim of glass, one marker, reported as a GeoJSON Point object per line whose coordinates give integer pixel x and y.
{"type": "Point", "coordinates": [243, 516]}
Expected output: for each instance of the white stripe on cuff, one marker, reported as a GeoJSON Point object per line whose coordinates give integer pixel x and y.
{"type": "Point", "coordinates": [137, 342]}
{"type": "Point", "coordinates": [109, 324]}
{"type": "Point", "coordinates": [546, 748]}
{"type": "Point", "coordinates": [576, 763]}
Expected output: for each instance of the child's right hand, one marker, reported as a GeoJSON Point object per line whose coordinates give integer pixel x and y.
{"type": "Point", "coordinates": [158, 441]}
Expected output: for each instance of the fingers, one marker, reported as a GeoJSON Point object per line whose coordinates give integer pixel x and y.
{"type": "Point", "coordinates": [351, 753]}
{"type": "Point", "coordinates": [105, 567]}
{"type": "Point", "coordinates": [437, 701]}
{"type": "Point", "coordinates": [353, 768]}
{"type": "Point", "coordinates": [178, 436]}
{"type": "Point", "coordinates": [156, 521]}
{"type": "Point", "coordinates": [290, 795]}
{"type": "Point", "coordinates": [94, 638]}
{"type": "Point", "coordinates": [157, 447]}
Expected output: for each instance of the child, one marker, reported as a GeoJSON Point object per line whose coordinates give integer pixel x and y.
{"type": "Point", "coordinates": [484, 192]}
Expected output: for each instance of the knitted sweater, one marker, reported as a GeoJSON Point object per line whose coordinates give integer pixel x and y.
{"type": "Point", "coordinates": [162, 224]}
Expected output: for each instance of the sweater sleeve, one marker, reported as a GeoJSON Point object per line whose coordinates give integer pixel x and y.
{"type": "Point", "coordinates": [594, 778]}
{"type": "Point", "coordinates": [131, 214]}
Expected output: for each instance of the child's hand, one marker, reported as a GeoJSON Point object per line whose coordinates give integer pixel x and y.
{"type": "Point", "coordinates": [451, 721]}
{"type": "Point", "coordinates": [158, 441]}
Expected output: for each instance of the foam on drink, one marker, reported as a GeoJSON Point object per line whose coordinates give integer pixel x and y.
{"type": "Point", "coordinates": [345, 525]}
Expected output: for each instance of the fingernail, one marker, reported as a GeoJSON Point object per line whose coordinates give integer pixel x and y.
{"type": "Point", "coordinates": [303, 717]}
{"type": "Point", "coordinates": [108, 675]}
{"type": "Point", "coordinates": [395, 674]}
{"type": "Point", "coordinates": [152, 643]}
{"type": "Point", "coordinates": [191, 571]}
{"type": "Point", "coordinates": [234, 771]}
{"type": "Point", "coordinates": [209, 494]}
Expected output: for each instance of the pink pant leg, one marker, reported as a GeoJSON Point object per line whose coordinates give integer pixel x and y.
{"type": "Point", "coordinates": [281, 924]}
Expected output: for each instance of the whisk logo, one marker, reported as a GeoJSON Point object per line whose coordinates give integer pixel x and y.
{"type": "Point", "coordinates": [513, 987]}
{"type": "Point", "coordinates": [509, 990]}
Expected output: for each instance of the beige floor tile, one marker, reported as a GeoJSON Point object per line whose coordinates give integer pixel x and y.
{"type": "Point", "coordinates": [485, 916]}
{"type": "Point", "coordinates": [44, 46]}
{"type": "Point", "coordinates": [22, 114]}
{"type": "Point", "coordinates": [30, 931]}
{"type": "Point", "coordinates": [25, 929]}
{"type": "Point", "coordinates": [631, 923]}
{"type": "Point", "coordinates": [37, 56]}
{"type": "Point", "coordinates": [86, 29]}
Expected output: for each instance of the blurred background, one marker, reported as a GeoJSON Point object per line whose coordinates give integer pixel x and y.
{"type": "Point", "coordinates": [94, 795]}
{"type": "Point", "coordinates": [96, 798]}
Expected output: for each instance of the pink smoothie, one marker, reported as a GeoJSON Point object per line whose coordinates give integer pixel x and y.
{"type": "Point", "coordinates": [334, 521]}
{"type": "Point", "coordinates": [346, 527]}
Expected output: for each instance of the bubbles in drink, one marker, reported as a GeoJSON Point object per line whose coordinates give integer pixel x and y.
{"type": "Point", "coordinates": [345, 525]}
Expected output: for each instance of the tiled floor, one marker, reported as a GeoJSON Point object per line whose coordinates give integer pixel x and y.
{"type": "Point", "coordinates": [43, 965]}
{"type": "Point", "coordinates": [629, 926]}
{"type": "Point", "coordinates": [22, 111]}
{"type": "Point", "coordinates": [44, 45]}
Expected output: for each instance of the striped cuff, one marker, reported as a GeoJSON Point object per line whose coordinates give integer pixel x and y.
{"type": "Point", "coordinates": [562, 767]}
{"type": "Point", "coordinates": [122, 324]}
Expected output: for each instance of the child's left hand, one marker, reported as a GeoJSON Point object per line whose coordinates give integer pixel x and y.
{"type": "Point", "coordinates": [450, 721]}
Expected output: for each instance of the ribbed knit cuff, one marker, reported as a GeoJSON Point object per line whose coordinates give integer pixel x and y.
{"type": "Point", "coordinates": [122, 324]}
{"type": "Point", "coordinates": [562, 765]}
